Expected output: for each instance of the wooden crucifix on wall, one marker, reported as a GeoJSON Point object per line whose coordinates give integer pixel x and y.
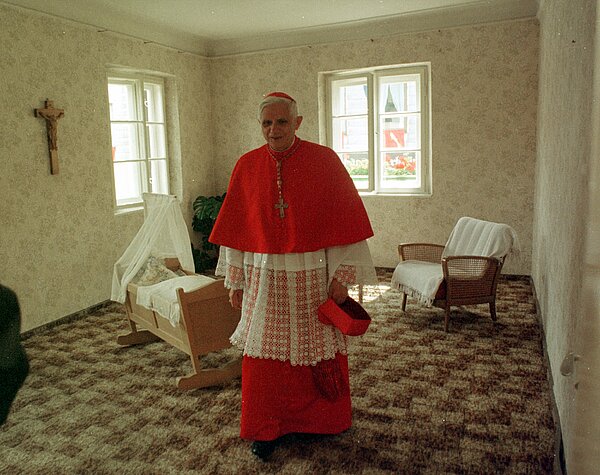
{"type": "Point", "coordinates": [51, 115]}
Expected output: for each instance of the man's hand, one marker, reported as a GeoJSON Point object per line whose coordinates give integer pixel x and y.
{"type": "Point", "coordinates": [337, 292]}
{"type": "Point", "coordinates": [235, 298]}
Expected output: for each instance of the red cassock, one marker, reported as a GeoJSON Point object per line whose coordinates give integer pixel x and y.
{"type": "Point", "coordinates": [323, 210]}
{"type": "Point", "coordinates": [279, 399]}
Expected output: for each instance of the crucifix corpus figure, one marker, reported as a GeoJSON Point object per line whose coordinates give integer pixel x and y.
{"type": "Point", "coordinates": [51, 115]}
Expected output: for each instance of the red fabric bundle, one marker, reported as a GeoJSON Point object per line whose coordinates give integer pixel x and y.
{"type": "Point", "coordinates": [329, 380]}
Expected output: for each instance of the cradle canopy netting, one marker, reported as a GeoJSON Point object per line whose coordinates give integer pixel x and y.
{"type": "Point", "coordinates": [163, 234]}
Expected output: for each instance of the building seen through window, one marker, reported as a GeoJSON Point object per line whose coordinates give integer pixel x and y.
{"type": "Point", "coordinates": [379, 126]}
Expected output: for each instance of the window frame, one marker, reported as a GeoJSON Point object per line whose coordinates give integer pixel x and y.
{"type": "Point", "coordinates": [372, 77]}
{"type": "Point", "coordinates": [142, 124]}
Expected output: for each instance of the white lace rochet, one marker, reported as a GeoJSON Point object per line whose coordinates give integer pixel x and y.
{"type": "Point", "coordinates": [281, 295]}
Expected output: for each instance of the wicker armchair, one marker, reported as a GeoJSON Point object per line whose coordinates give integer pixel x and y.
{"type": "Point", "coordinates": [437, 276]}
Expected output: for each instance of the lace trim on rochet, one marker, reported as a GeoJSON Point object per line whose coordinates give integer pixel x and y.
{"type": "Point", "coordinates": [279, 315]}
{"type": "Point", "coordinates": [346, 275]}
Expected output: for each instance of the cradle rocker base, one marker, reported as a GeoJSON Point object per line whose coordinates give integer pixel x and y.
{"type": "Point", "coordinates": [206, 322]}
{"type": "Point", "coordinates": [211, 376]}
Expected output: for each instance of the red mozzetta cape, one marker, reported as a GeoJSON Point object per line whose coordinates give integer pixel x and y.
{"type": "Point", "coordinates": [324, 208]}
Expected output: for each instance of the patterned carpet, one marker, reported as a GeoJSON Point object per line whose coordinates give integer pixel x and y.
{"type": "Point", "coordinates": [472, 401]}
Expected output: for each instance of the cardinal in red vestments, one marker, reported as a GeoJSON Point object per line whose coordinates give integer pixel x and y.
{"type": "Point", "coordinates": [293, 232]}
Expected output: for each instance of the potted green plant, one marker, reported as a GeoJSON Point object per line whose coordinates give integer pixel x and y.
{"type": "Point", "coordinates": [206, 209]}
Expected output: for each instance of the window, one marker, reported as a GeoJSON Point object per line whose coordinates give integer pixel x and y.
{"type": "Point", "coordinates": [138, 130]}
{"type": "Point", "coordinates": [379, 126]}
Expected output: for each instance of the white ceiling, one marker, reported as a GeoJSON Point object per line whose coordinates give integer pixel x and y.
{"type": "Point", "coordinates": [221, 27]}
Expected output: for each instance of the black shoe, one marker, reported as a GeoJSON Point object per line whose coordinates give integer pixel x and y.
{"type": "Point", "coordinates": [309, 436]}
{"type": "Point", "coordinates": [263, 449]}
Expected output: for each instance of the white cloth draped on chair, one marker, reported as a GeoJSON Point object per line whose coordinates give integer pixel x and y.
{"type": "Point", "coordinates": [470, 237]}
{"type": "Point", "coordinates": [474, 237]}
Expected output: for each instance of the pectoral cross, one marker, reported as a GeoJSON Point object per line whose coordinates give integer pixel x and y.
{"type": "Point", "coordinates": [281, 206]}
{"type": "Point", "coordinates": [51, 115]}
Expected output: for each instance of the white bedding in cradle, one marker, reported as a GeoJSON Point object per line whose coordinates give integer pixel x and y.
{"type": "Point", "coordinates": [162, 297]}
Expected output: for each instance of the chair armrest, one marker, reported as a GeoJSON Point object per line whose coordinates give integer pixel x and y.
{"type": "Point", "coordinates": [470, 267]}
{"type": "Point", "coordinates": [471, 275]}
{"type": "Point", "coordinates": [419, 251]}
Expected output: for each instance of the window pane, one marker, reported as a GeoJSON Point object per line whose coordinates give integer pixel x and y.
{"type": "Point", "coordinates": [400, 170]}
{"type": "Point", "coordinates": [350, 97]}
{"type": "Point", "coordinates": [139, 136]}
{"type": "Point", "coordinates": [125, 142]}
{"type": "Point", "coordinates": [121, 98]}
{"type": "Point", "coordinates": [350, 134]}
{"type": "Point", "coordinates": [381, 133]}
{"type": "Point", "coordinates": [129, 182]}
{"type": "Point", "coordinates": [400, 132]}
{"type": "Point", "coordinates": [158, 176]}
{"type": "Point", "coordinates": [156, 134]}
{"type": "Point", "coordinates": [153, 100]}
{"type": "Point", "coordinates": [400, 93]}
{"type": "Point", "coordinates": [357, 165]}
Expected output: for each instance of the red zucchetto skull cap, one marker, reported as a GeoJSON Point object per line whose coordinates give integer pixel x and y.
{"type": "Point", "coordinates": [280, 94]}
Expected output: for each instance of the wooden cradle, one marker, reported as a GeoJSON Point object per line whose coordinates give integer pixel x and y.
{"type": "Point", "coordinates": [207, 320]}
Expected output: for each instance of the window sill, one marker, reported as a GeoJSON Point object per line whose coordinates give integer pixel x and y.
{"type": "Point", "coordinates": [395, 194]}
{"type": "Point", "coordinates": [124, 211]}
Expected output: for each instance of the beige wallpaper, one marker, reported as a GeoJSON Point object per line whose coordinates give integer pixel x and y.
{"type": "Point", "coordinates": [59, 237]}
{"type": "Point", "coordinates": [561, 203]}
{"type": "Point", "coordinates": [484, 92]}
